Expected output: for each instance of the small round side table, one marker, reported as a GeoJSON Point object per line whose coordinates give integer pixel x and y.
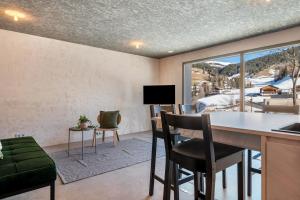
{"type": "Point", "coordinates": [82, 133]}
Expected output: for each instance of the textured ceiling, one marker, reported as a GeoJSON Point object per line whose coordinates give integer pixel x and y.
{"type": "Point", "coordinates": [163, 25]}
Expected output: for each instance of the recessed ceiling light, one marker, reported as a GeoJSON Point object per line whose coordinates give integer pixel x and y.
{"type": "Point", "coordinates": [137, 44]}
{"type": "Point", "coordinates": [15, 14]}
{"type": "Point", "coordinates": [260, 2]}
{"type": "Point", "coordinates": [171, 51]}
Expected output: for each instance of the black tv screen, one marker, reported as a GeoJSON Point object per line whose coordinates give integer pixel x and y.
{"type": "Point", "coordinates": [159, 94]}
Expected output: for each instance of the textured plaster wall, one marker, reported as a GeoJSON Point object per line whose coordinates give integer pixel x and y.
{"type": "Point", "coordinates": [171, 67]}
{"type": "Point", "coordinates": [46, 84]}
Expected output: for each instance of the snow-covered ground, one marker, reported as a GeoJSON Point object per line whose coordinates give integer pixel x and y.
{"type": "Point", "coordinates": [233, 96]}
{"type": "Point", "coordinates": [219, 100]}
{"type": "Point", "coordinates": [261, 81]}
{"type": "Point", "coordinates": [234, 76]}
{"type": "Point", "coordinates": [285, 83]}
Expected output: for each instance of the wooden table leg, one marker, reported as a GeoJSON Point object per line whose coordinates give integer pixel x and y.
{"type": "Point", "coordinates": [94, 138]}
{"type": "Point", "coordinates": [117, 134]}
{"type": "Point", "coordinates": [103, 136]}
{"type": "Point", "coordinates": [114, 135]}
{"type": "Point", "coordinates": [263, 168]}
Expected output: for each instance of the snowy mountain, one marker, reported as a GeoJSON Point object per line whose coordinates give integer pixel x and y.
{"type": "Point", "coordinates": [218, 64]}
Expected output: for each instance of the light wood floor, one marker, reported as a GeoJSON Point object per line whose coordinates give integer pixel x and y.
{"type": "Point", "coordinates": [130, 183]}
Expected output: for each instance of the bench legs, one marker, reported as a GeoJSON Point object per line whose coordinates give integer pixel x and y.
{"type": "Point", "coordinates": [52, 190]}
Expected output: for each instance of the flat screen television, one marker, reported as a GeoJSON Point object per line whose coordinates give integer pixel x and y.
{"type": "Point", "coordinates": [159, 94]}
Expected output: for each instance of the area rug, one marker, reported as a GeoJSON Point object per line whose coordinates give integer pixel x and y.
{"type": "Point", "coordinates": [108, 158]}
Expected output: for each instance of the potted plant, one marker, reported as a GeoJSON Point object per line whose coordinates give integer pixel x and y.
{"type": "Point", "coordinates": [83, 122]}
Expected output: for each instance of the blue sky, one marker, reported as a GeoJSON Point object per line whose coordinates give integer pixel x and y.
{"type": "Point", "coordinates": [249, 56]}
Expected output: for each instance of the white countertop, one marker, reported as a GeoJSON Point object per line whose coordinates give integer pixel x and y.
{"type": "Point", "coordinates": [254, 123]}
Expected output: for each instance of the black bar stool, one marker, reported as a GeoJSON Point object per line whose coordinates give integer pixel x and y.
{"type": "Point", "coordinates": [189, 109]}
{"type": "Point", "coordinates": [175, 138]}
{"type": "Point", "coordinates": [197, 155]}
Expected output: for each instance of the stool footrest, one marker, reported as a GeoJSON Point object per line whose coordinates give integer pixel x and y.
{"type": "Point", "coordinates": [258, 171]}
{"type": "Point", "coordinates": [159, 179]}
{"type": "Point", "coordinates": [185, 179]}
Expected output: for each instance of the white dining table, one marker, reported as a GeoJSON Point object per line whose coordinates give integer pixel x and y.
{"type": "Point", "coordinates": [280, 150]}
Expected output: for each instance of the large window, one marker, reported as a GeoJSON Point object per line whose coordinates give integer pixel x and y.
{"type": "Point", "coordinates": [215, 84]}
{"type": "Point", "coordinates": [245, 81]}
{"type": "Point", "coordinates": [269, 77]}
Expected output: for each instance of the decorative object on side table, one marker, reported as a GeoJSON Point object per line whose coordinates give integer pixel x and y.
{"type": "Point", "coordinates": [83, 122]}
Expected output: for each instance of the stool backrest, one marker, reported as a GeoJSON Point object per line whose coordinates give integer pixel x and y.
{"type": "Point", "coordinates": [191, 123]}
{"type": "Point", "coordinates": [155, 109]}
{"type": "Point", "coordinates": [187, 109]}
{"type": "Point", "coordinates": [155, 112]}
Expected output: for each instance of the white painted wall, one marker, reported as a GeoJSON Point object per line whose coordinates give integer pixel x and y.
{"type": "Point", "coordinates": [46, 84]}
{"type": "Point", "coordinates": [171, 67]}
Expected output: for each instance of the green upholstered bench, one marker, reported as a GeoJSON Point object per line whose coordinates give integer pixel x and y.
{"type": "Point", "coordinates": [25, 167]}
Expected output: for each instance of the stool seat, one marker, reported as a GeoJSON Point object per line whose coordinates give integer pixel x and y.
{"type": "Point", "coordinates": [191, 154]}
{"type": "Point", "coordinates": [106, 129]}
